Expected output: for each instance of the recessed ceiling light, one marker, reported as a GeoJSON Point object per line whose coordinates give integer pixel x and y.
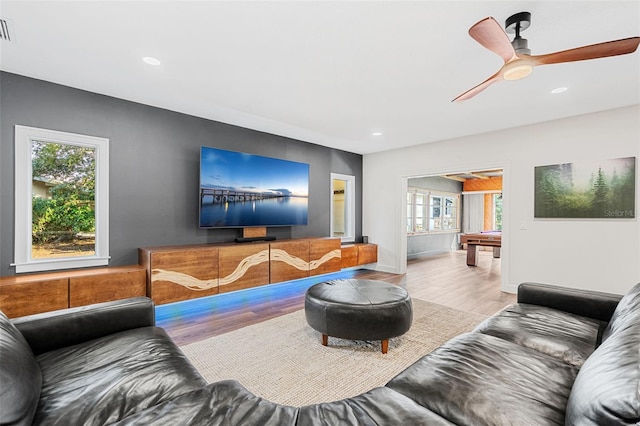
{"type": "Point", "coordinates": [559, 90]}
{"type": "Point", "coordinates": [376, 134]}
{"type": "Point", "coordinates": [151, 61]}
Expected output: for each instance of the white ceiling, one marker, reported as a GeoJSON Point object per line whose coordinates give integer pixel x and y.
{"type": "Point", "coordinates": [329, 73]}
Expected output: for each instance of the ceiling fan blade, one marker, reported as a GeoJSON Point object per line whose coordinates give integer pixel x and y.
{"type": "Point", "coordinates": [491, 36]}
{"type": "Point", "coordinates": [594, 51]}
{"type": "Point", "coordinates": [480, 87]}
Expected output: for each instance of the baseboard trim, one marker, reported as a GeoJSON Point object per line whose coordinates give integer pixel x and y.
{"type": "Point", "coordinates": [426, 254]}
{"type": "Point", "coordinates": [385, 268]}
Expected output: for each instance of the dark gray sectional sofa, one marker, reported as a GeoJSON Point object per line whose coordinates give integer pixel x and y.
{"type": "Point", "coordinates": [558, 356]}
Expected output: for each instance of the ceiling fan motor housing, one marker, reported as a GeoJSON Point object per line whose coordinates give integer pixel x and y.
{"type": "Point", "coordinates": [518, 22]}
{"type": "Point", "coordinates": [521, 46]}
{"type": "Point", "coordinates": [514, 25]}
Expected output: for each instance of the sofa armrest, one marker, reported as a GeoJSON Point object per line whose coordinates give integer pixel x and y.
{"type": "Point", "coordinates": [587, 303]}
{"type": "Point", "coordinates": [52, 330]}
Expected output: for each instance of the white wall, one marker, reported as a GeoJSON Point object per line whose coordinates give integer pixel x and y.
{"type": "Point", "coordinates": [601, 255]}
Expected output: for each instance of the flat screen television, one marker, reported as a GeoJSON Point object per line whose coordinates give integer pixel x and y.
{"type": "Point", "coordinates": [245, 190]}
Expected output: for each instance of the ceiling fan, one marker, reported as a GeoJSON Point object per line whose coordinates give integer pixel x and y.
{"type": "Point", "coordinates": [518, 61]}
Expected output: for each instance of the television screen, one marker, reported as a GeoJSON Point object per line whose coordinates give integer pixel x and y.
{"type": "Point", "coordinates": [243, 190]}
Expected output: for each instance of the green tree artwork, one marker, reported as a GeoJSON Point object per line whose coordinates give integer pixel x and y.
{"type": "Point", "coordinates": [602, 189]}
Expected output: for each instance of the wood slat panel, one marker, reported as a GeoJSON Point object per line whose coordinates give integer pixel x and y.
{"type": "Point", "coordinates": [494, 183]}
{"type": "Point", "coordinates": [318, 249]}
{"type": "Point", "coordinates": [367, 253]}
{"type": "Point", "coordinates": [144, 260]}
{"type": "Point", "coordinates": [488, 212]}
{"type": "Point", "coordinates": [288, 268]}
{"type": "Point", "coordinates": [243, 266]}
{"type": "Point", "coordinates": [254, 232]}
{"type": "Point", "coordinates": [183, 274]}
{"type": "Point", "coordinates": [28, 295]}
{"type": "Point", "coordinates": [107, 285]}
{"type": "Point", "coordinates": [349, 256]}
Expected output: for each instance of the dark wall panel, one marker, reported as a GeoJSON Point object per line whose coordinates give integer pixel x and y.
{"type": "Point", "coordinates": [154, 165]}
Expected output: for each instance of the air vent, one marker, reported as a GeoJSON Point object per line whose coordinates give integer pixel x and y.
{"type": "Point", "coordinates": [4, 30]}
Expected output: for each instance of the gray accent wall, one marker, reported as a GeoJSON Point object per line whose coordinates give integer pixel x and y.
{"type": "Point", "coordinates": [154, 165]}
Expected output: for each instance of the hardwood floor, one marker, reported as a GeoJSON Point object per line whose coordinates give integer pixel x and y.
{"type": "Point", "coordinates": [446, 279]}
{"type": "Point", "coordinates": [443, 279]}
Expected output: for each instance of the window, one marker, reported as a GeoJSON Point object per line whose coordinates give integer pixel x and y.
{"type": "Point", "coordinates": [62, 204]}
{"type": "Point", "coordinates": [497, 212]}
{"type": "Point", "coordinates": [343, 213]}
{"type": "Point", "coordinates": [432, 211]}
{"type": "Point", "coordinates": [435, 213]}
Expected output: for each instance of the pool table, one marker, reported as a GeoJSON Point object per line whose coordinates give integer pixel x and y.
{"type": "Point", "coordinates": [484, 238]}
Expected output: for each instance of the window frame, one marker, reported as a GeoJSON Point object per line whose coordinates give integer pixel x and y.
{"type": "Point", "coordinates": [428, 194]}
{"type": "Point", "coordinates": [420, 220]}
{"type": "Point", "coordinates": [24, 136]}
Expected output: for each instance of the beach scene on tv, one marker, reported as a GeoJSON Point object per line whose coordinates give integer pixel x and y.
{"type": "Point", "coordinates": [242, 190]}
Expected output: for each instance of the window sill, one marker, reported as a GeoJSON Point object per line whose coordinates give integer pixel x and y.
{"type": "Point", "coordinates": [57, 264]}
{"type": "Point", "coordinates": [448, 231]}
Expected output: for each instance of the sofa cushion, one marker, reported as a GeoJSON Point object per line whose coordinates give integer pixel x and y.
{"type": "Point", "coordinates": [571, 338]}
{"type": "Point", "coordinates": [104, 380]}
{"type": "Point", "coordinates": [627, 312]}
{"type": "Point", "coordinates": [221, 403]}
{"type": "Point", "coordinates": [607, 389]}
{"type": "Point", "coordinates": [481, 379]}
{"type": "Point", "coordinates": [20, 376]}
{"type": "Point", "coordinates": [380, 406]}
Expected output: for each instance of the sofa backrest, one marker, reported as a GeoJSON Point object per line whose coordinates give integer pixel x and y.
{"type": "Point", "coordinates": [53, 330]}
{"type": "Point", "coordinates": [607, 388]}
{"type": "Point", "coordinates": [20, 377]}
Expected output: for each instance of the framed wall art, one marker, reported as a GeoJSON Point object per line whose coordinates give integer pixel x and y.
{"type": "Point", "coordinates": [604, 189]}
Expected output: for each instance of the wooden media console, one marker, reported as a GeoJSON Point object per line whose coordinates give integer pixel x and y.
{"type": "Point", "coordinates": [174, 273]}
{"type": "Point", "coordinates": [177, 273]}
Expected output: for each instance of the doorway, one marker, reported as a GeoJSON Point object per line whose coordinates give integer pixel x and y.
{"type": "Point", "coordinates": [343, 214]}
{"type": "Point", "coordinates": [482, 206]}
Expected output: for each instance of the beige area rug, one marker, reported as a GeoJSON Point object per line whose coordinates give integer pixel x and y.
{"type": "Point", "coordinates": [283, 360]}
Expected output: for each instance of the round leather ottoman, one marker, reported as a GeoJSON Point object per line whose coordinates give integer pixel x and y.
{"type": "Point", "coordinates": [358, 310]}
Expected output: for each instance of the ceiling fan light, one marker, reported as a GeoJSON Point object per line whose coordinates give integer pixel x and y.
{"type": "Point", "coordinates": [517, 71]}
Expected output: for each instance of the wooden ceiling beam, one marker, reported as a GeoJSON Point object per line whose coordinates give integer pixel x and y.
{"type": "Point", "coordinates": [454, 177]}
{"type": "Point", "coordinates": [478, 175]}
